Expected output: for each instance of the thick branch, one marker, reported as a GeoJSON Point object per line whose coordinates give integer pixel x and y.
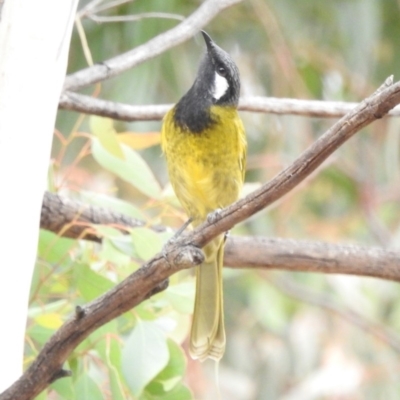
{"type": "Point", "coordinates": [311, 256]}
{"type": "Point", "coordinates": [126, 112]}
{"type": "Point", "coordinates": [184, 252]}
{"type": "Point", "coordinates": [71, 218]}
{"type": "Point", "coordinates": [182, 32]}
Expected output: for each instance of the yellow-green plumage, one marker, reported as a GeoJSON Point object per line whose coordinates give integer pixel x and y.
{"type": "Point", "coordinates": [206, 170]}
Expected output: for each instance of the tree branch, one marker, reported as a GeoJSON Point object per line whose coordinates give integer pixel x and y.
{"type": "Point", "coordinates": [312, 256]}
{"type": "Point", "coordinates": [159, 44]}
{"type": "Point", "coordinates": [184, 252]}
{"type": "Point", "coordinates": [126, 112]}
{"type": "Point", "coordinates": [73, 219]}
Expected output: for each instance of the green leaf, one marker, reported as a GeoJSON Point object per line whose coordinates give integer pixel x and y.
{"type": "Point", "coordinates": [64, 387]}
{"type": "Point", "coordinates": [147, 242]}
{"type": "Point", "coordinates": [90, 284]}
{"type": "Point", "coordinates": [124, 245]}
{"type": "Point", "coordinates": [146, 310]}
{"type": "Point", "coordinates": [52, 247]}
{"type": "Point", "coordinates": [42, 396]}
{"type": "Point", "coordinates": [75, 364]}
{"type": "Point", "coordinates": [109, 348]}
{"type": "Point", "coordinates": [114, 251]}
{"type": "Point", "coordinates": [171, 375]}
{"type": "Point", "coordinates": [117, 247]}
{"type": "Point", "coordinates": [54, 306]}
{"type": "Point", "coordinates": [103, 129]}
{"type": "Point", "coordinates": [39, 333]}
{"type": "Point", "coordinates": [133, 169]}
{"type": "Point", "coordinates": [176, 365]}
{"type": "Point", "coordinates": [180, 392]}
{"type": "Point", "coordinates": [181, 297]}
{"type": "Point", "coordinates": [113, 358]}
{"type": "Point", "coordinates": [144, 356]}
{"type": "Point", "coordinates": [86, 388]}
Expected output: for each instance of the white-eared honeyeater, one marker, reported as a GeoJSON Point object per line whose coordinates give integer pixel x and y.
{"type": "Point", "coordinates": [204, 142]}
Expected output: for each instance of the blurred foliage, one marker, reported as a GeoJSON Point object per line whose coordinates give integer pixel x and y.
{"type": "Point", "coordinates": [279, 347]}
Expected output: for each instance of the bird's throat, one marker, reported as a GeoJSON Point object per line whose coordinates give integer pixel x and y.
{"type": "Point", "coordinates": [193, 113]}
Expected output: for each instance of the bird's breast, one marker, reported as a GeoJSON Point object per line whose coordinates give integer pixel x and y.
{"type": "Point", "coordinates": [206, 168]}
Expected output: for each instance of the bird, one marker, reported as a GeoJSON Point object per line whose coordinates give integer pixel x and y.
{"type": "Point", "coordinates": [204, 143]}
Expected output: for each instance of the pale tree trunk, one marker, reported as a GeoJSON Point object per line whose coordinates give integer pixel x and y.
{"type": "Point", "coordinates": [34, 44]}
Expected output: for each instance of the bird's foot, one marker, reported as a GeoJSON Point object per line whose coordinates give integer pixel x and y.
{"type": "Point", "coordinates": [179, 231]}
{"type": "Point", "coordinates": [175, 237]}
{"type": "Point", "coordinates": [214, 216]}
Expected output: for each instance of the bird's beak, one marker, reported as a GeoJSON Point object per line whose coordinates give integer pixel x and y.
{"type": "Point", "coordinates": [208, 40]}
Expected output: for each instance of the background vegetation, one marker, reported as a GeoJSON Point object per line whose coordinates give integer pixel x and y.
{"type": "Point", "coordinates": [279, 345]}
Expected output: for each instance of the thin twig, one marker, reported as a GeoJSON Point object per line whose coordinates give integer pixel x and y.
{"type": "Point", "coordinates": [126, 112]}
{"type": "Point", "coordinates": [159, 44]}
{"type": "Point", "coordinates": [107, 6]}
{"type": "Point", "coordinates": [84, 42]}
{"type": "Point", "coordinates": [88, 8]}
{"type": "Point", "coordinates": [133, 18]}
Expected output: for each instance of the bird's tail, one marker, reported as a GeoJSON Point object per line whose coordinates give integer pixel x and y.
{"type": "Point", "coordinates": [207, 338]}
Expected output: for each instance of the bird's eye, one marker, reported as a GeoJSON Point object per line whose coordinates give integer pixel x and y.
{"type": "Point", "coordinates": [221, 70]}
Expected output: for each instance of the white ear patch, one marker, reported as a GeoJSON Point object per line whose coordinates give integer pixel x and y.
{"type": "Point", "coordinates": [220, 86]}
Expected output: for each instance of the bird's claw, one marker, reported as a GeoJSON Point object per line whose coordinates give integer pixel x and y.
{"type": "Point", "coordinates": [214, 216]}
{"type": "Point", "coordinates": [174, 238]}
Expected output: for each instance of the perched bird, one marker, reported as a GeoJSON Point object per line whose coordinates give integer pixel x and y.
{"type": "Point", "coordinates": [204, 142]}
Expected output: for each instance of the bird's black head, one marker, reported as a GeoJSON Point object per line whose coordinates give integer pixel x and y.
{"type": "Point", "coordinates": [218, 75]}
{"type": "Point", "coordinates": [217, 83]}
